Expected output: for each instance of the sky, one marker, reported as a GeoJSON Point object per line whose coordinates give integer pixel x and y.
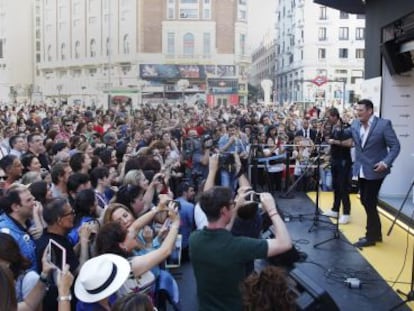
{"type": "Point", "coordinates": [261, 17]}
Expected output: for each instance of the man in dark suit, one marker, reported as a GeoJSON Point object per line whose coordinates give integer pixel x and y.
{"type": "Point", "coordinates": [376, 148]}
{"type": "Point", "coordinates": [307, 131]}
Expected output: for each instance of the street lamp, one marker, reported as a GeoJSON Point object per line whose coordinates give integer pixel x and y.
{"type": "Point", "coordinates": [59, 89]}
{"type": "Point", "coordinates": [141, 84]}
{"type": "Point", "coordinates": [183, 84]}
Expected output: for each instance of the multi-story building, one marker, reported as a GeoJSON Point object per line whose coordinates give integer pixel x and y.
{"type": "Point", "coordinates": [320, 53]}
{"type": "Point", "coordinates": [92, 48]}
{"type": "Point", "coordinates": [263, 65]}
{"type": "Point", "coordinates": [16, 50]}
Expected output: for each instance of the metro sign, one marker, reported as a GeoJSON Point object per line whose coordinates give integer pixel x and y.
{"type": "Point", "coordinates": [319, 80]}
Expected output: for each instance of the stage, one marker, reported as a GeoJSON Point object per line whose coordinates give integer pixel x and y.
{"type": "Point", "coordinates": [381, 269]}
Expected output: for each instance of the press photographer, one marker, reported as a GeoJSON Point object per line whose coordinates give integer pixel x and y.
{"type": "Point", "coordinates": [229, 143]}
{"type": "Point", "coordinates": [197, 151]}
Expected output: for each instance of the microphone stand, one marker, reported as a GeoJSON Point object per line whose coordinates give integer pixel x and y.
{"type": "Point", "coordinates": [316, 213]}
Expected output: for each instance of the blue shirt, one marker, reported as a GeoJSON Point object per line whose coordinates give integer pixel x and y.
{"type": "Point", "coordinates": [21, 236]}
{"type": "Point", "coordinates": [187, 220]}
{"type": "Point", "coordinates": [95, 306]}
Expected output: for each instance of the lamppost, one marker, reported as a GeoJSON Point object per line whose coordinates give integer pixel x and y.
{"type": "Point", "coordinates": [59, 89]}
{"type": "Point", "coordinates": [141, 84]}
{"type": "Point", "coordinates": [183, 84]}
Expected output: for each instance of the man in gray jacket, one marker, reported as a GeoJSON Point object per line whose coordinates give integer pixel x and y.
{"type": "Point", "coordinates": [376, 148]}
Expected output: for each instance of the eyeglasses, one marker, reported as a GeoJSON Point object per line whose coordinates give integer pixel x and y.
{"type": "Point", "coordinates": [72, 212]}
{"type": "Point", "coordinates": [3, 177]}
{"type": "Point", "coordinates": [68, 124]}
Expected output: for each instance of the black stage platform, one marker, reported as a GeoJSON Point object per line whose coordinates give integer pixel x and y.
{"type": "Point", "coordinates": [327, 265]}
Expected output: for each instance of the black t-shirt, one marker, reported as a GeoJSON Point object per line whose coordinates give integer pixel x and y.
{"type": "Point", "coordinates": [339, 153]}
{"type": "Point", "coordinates": [49, 301]}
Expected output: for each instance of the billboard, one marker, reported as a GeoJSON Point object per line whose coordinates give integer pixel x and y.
{"type": "Point", "coordinates": [166, 72]}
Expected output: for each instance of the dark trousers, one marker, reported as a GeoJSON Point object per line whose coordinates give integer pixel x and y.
{"type": "Point", "coordinates": [369, 190]}
{"type": "Point", "coordinates": [341, 185]}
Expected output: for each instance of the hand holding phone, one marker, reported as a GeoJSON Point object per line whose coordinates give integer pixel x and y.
{"type": "Point", "coordinates": [56, 255]}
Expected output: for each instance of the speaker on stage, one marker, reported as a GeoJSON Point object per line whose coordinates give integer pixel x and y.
{"type": "Point", "coordinates": [396, 62]}
{"type": "Point", "coordinates": [309, 296]}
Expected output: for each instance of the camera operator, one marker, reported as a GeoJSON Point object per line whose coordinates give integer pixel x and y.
{"type": "Point", "coordinates": [196, 151]}
{"type": "Point", "coordinates": [228, 144]}
{"type": "Point", "coordinates": [341, 164]}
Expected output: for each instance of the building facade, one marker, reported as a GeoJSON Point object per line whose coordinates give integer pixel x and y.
{"type": "Point", "coordinates": [16, 50]}
{"type": "Point", "coordinates": [263, 64]}
{"type": "Point", "coordinates": [320, 54]}
{"type": "Point", "coordinates": [92, 50]}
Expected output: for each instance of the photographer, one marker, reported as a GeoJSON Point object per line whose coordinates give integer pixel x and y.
{"type": "Point", "coordinates": [228, 144]}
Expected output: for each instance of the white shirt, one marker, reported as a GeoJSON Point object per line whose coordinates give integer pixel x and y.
{"type": "Point", "coordinates": [363, 133]}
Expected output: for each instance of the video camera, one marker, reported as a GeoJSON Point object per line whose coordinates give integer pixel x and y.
{"type": "Point", "coordinates": [226, 160]}
{"type": "Point", "coordinates": [207, 141]}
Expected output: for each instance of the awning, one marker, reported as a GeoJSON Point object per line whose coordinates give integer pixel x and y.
{"type": "Point", "coordinates": [349, 6]}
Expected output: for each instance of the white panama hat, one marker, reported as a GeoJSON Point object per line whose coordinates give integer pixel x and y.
{"type": "Point", "coordinates": [100, 277]}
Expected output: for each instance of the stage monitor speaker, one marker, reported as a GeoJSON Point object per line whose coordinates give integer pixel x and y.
{"type": "Point", "coordinates": [309, 296]}
{"type": "Point", "coordinates": [396, 62]}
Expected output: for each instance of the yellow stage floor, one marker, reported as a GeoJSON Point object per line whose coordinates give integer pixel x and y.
{"type": "Point", "coordinates": [392, 259]}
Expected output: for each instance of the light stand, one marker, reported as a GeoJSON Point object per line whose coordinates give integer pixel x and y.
{"type": "Point", "coordinates": [410, 295]}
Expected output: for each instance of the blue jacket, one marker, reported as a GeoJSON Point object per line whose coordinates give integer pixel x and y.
{"type": "Point", "coordinates": [187, 220]}
{"type": "Point", "coordinates": [21, 236]}
{"type": "Point", "coordinates": [382, 144]}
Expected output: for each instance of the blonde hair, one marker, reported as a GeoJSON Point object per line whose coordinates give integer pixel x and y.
{"type": "Point", "coordinates": [133, 177]}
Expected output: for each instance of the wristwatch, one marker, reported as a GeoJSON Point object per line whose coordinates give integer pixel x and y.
{"type": "Point", "coordinates": [64, 298]}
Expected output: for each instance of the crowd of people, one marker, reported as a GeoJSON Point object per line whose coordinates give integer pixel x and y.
{"type": "Point", "coordinates": [116, 189]}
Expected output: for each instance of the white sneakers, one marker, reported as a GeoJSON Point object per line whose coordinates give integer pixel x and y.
{"type": "Point", "coordinates": [343, 219]}
{"type": "Point", "coordinates": [331, 213]}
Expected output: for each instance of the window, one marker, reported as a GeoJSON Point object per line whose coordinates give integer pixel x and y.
{"type": "Point", "coordinates": [77, 49]}
{"type": "Point", "coordinates": [49, 53]}
{"type": "Point", "coordinates": [360, 53]}
{"type": "Point", "coordinates": [170, 13]}
{"type": "Point", "coordinates": [242, 15]}
{"type": "Point", "coordinates": [189, 1]}
{"type": "Point", "coordinates": [1, 48]}
{"type": "Point", "coordinates": [242, 44]}
{"type": "Point", "coordinates": [343, 15]}
{"type": "Point", "coordinates": [126, 44]}
{"type": "Point", "coordinates": [343, 33]}
{"type": "Point", "coordinates": [342, 72]}
{"type": "Point", "coordinates": [360, 16]}
{"type": "Point", "coordinates": [188, 44]}
{"type": "Point", "coordinates": [322, 12]}
{"type": "Point", "coordinates": [108, 47]}
{"type": "Point", "coordinates": [322, 33]}
{"type": "Point", "coordinates": [206, 13]}
{"type": "Point", "coordinates": [360, 33]}
{"type": "Point", "coordinates": [343, 53]}
{"type": "Point", "coordinates": [322, 53]}
{"type": "Point", "coordinates": [189, 13]}
{"type": "Point", "coordinates": [170, 43]}
{"type": "Point", "coordinates": [206, 44]}
{"type": "Point", "coordinates": [92, 47]}
{"type": "Point", "coordinates": [63, 51]}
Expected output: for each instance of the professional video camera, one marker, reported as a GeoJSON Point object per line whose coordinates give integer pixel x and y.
{"type": "Point", "coordinates": [207, 141]}
{"type": "Point", "coordinates": [226, 161]}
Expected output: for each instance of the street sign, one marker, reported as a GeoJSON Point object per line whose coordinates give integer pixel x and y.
{"type": "Point", "coordinates": [319, 80]}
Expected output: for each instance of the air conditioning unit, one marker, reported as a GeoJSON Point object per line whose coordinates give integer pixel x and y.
{"type": "Point", "coordinates": [183, 15]}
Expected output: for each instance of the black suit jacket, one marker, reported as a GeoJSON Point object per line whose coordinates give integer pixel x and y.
{"type": "Point", "coordinates": [312, 134]}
